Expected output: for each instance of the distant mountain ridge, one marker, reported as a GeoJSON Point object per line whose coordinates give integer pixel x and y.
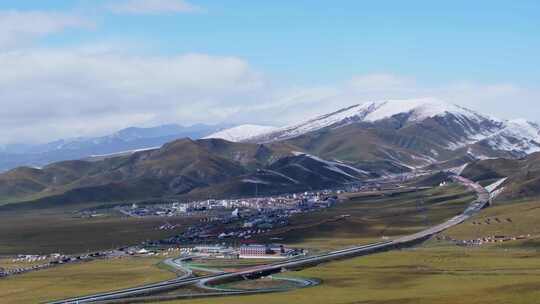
{"type": "Point", "coordinates": [132, 138]}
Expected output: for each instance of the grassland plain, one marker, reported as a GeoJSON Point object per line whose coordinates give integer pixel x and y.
{"type": "Point", "coordinates": [79, 279]}
{"type": "Point", "coordinates": [508, 219]}
{"type": "Point", "coordinates": [441, 275]}
{"type": "Point", "coordinates": [34, 232]}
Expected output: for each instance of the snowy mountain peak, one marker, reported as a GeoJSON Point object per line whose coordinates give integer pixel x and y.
{"type": "Point", "coordinates": [241, 132]}
{"type": "Point", "coordinates": [419, 109]}
{"type": "Point", "coordinates": [416, 110]}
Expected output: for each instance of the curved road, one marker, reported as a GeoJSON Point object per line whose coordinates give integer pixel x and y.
{"type": "Point", "coordinates": [481, 202]}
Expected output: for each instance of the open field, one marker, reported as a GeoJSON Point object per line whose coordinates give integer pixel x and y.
{"type": "Point", "coordinates": [443, 275]}
{"type": "Point", "coordinates": [368, 218]}
{"type": "Point", "coordinates": [511, 219]}
{"type": "Point", "coordinates": [78, 279]}
{"type": "Point", "coordinates": [36, 233]}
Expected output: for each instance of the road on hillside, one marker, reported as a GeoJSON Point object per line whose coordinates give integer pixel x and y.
{"type": "Point", "coordinates": [481, 202]}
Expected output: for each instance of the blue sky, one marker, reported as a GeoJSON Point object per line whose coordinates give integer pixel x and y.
{"type": "Point", "coordinates": [320, 41]}
{"type": "Point", "coordinates": [310, 46]}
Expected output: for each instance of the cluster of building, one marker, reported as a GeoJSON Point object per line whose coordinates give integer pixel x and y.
{"type": "Point", "coordinates": [220, 251]}
{"type": "Point", "coordinates": [246, 251]}
{"type": "Point", "coordinates": [493, 239]}
{"type": "Point", "coordinates": [241, 225]}
{"type": "Point", "coordinates": [486, 240]}
{"type": "Point", "coordinates": [234, 218]}
{"type": "Point", "coordinates": [211, 207]}
{"type": "Point", "coordinates": [39, 262]}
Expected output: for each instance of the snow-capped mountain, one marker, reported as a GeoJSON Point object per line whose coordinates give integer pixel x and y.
{"type": "Point", "coordinates": [241, 132]}
{"type": "Point", "coordinates": [412, 132]}
{"type": "Point", "coordinates": [413, 110]}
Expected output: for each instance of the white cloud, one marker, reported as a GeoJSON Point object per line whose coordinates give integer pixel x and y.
{"type": "Point", "coordinates": [503, 100]}
{"type": "Point", "coordinates": [153, 7]}
{"type": "Point", "coordinates": [46, 94]}
{"type": "Point", "coordinates": [17, 27]}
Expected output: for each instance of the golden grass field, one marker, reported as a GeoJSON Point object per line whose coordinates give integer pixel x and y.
{"type": "Point", "coordinates": [80, 279]}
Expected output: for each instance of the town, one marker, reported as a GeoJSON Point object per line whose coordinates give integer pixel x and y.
{"type": "Point", "coordinates": [238, 219]}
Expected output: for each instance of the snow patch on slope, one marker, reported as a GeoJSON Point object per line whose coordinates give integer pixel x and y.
{"type": "Point", "coordinates": [123, 152]}
{"type": "Point", "coordinates": [518, 135]}
{"type": "Point", "coordinates": [495, 189]}
{"type": "Point", "coordinates": [284, 176]}
{"type": "Point", "coordinates": [254, 181]}
{"type": "Point", "coordinates": [241, 132]}
{"type": "Point", "coordinates": [495, 185]}
{"type": "Point", "coordinates": [337, 167]}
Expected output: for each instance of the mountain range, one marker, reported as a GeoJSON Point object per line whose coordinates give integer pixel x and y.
{"type": "Point", "coordinates": [127, 140]}
{"type": "Point", "coordinates": [349, 145]}
{"type": "Point", "coordinates": [433, 130]}
{"type": "Point", "coordinates": [408, 134]}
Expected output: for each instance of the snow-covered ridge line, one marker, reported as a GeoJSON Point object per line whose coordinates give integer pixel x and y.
{"type": "Point", "coordinates": [417, 109]}
{"type": "Point", "coordinates": [241, 132]}
{"type": "Point", "coordinates": [124, 152]}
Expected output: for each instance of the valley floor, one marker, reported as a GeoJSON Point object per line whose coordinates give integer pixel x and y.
{"type": "Point", "coordinates": [438, 272]}
{"type": "Point", "coordinates": [79, 279]}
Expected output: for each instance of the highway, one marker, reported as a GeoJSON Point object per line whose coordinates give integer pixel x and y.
{"type": "Point", "coordinates": [481, 202]}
